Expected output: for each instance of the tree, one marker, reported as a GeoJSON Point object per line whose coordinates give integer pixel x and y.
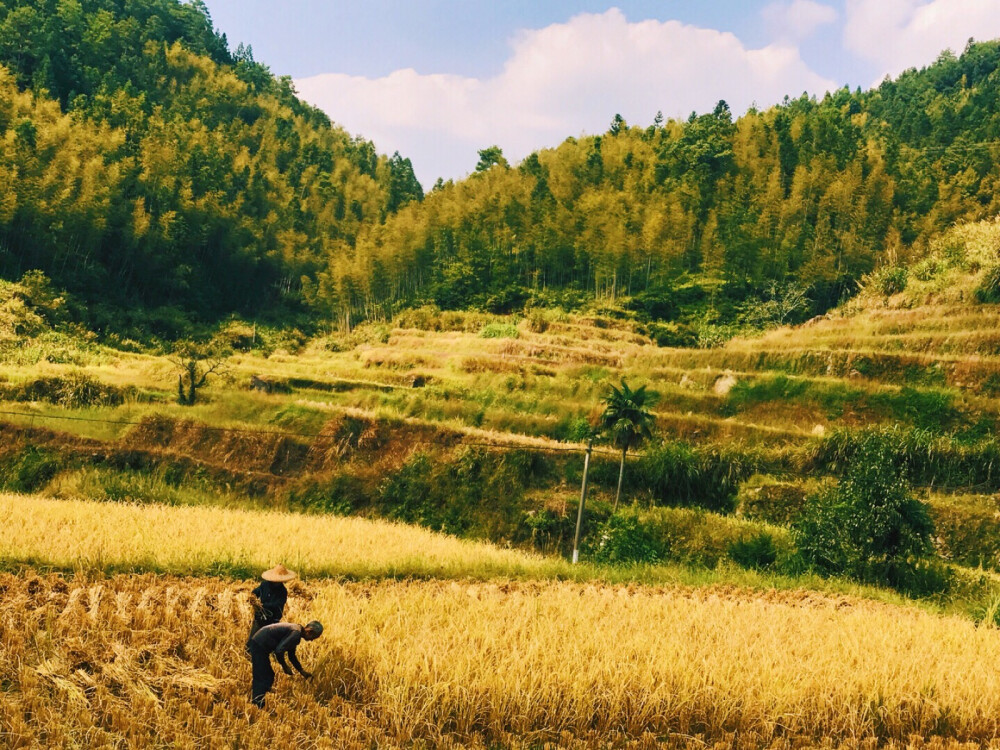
{"type": "Point", "coordinates": [869, 526]}
{"type": "Point", "coordinates": [490, 157]}
{"type": "Point", "coordinates": [627, 422]}
{"type": "Point", "coordinates": [618, 124]}
{"type": "Point", "coordinates": [195, 362]}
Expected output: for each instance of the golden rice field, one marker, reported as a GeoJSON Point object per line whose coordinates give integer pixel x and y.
{"type": "Point", "coordinates": [156, 661]}
{"type": "Point", "coordinates": [105, 537]}
{"type": "Point", "coordinates": [79, 534]}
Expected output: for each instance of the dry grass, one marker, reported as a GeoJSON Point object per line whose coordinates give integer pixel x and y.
{"type": "Point", "coordinates": [148, 661]}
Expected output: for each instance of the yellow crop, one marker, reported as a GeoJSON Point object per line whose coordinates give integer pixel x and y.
{"type": "Point", "coordinates": [88, 535]}
{"type": "Point", "coordinates": [151, 661]}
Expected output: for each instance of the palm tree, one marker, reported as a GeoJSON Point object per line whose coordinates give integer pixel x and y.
{"type": "Point", "coordinates": [627, 422]}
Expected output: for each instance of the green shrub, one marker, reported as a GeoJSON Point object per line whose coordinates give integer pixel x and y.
{"type": "Point", "coordinates": [677, 335]}
{"type": "Point", "coordinates": [925, 457]}
{"type": "Point", "coordinates": [472, 493]}
{"type": "Point", "coordinates": [499, 331]}
{"type": "Point", "coordinates": [757, 553]}
{"type": "Point", "coordinates": [623, 538]}
{"type": "Point", "coordinates": [678, 473]}
{"type": "Point", "coordinates": [888, 280]}
{"type": "Point", "coordinates": [869, 526]}
{"type": "Point", "coordinates": [73, 391]}
{"type": "Point", "coordinates": [340, 495]}
{"type": "Point", "coordinates": [766, 499]}
{"type": "Point", "coordinates": [967, 530]}
{"type": "Point", "coordinates": [988, 290]}
{"type": "Point", "coordinates": [29, 469]}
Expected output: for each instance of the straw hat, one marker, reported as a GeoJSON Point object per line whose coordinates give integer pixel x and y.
{"type": "Point", "coordinates": [278, 574]}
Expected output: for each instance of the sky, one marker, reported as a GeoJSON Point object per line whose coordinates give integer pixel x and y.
{"type": "Point", "coordinates": [437, 80]}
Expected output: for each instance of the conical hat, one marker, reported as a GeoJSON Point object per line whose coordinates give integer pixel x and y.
{"type": "Point", "coordinates": [278, 574]}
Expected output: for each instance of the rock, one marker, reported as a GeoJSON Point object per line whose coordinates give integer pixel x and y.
{"type": "Point", "coordinates": [724, 384]}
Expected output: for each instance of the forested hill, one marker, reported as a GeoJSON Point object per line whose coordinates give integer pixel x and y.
{"type": "Point", "coordinates": [145, 166]}
{"type": "Point", "coordinates": [809, 195]}
{"type": "Point", "coordinates": [162, 177]}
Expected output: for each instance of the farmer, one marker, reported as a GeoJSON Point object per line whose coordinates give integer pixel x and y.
{"type": "Point", "coordinates": [271, 596]}
{"type": "Point", "coordinates": [278, 639]}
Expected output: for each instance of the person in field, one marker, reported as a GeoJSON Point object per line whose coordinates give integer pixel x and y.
{"type": "Point", "coordinates": [270, 597]}
{"type": "Point", "coordinates": [280, 639]}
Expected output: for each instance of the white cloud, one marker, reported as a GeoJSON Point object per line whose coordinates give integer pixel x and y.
{"type": "Point", "coordinates": [562, 80]}
{"type": "Point", "coordinates": [900, 34]}
{"type": "Point", "coordinates": [797, 19]}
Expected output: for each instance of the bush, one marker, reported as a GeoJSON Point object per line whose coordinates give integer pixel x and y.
{"type": "Point", "coordinates": [678, 473]}
{"type": "Point", "coordinates": [656, 304]}
{"type": "Point", "coordinates": [473, 493]}
{"type": "Point", "coordinates": [623, 538]}
{"type": "Point", "coordinates": [29, 469]}
{"type": "Point", "coordinates": [339, 495]}
{"type": "Point", "coordinates": [988, 290]}
{"type": "Point", "coordinates": [762, 498]}
{"type": "Point", "coordinates": [925, 457]}
{"type": "Point", "coordinates": [757, 553]}
{"type": "Point", "coordinates": [537, 322]}
{"type": "Point", "coordinates": [499, 331]}
{"type": "Point", "coordinates": [888, 280]}
{"type": "Point", "coordinates": [869, 527]}
{"type": "Point", "coordinates": [675, 335]}
{"type": "Point", "coordinates": [74, 391]}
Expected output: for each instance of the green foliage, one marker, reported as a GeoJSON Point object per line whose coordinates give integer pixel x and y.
{"type": "Point", "coordinates": [758, 552]}
{"type": "Point", "coordinates": [763, 498]}
{"type": "Point", "coordinates": [72, 391]}
{"type": "Point", "coordinates": [623, 539]}
{"type": "Point", "coordinates": [472, 493]}
{"type": "Point", "coordinates": [341, 494]}
{"type": "Point", "coordinates": [869, 526]}
{"type": "Point", "coordinates": [926, 457]}
{"type": "Point", "coordinates": [29, 468]}
{"type": "Point", "coordinates": [626, 420]}
{"type": "Point", "coordinates": [887, 280]}
{"type": "Point", "coordinates": [29, 307]}
{"type": "Point", "coordinates": [167, 167]}
{"type": "Point", "coordinates": [989, 287]}
{"type": "Point", "coordinates": [673, 334]}
{"type": "Point", "coordinates": [687, 536]}
{"type": "Point", "coordinates": [154, 166]}
{"type": "Point", "coordinates": [499, 331]}
{"type": "Point", "coordinates": [678, 473]}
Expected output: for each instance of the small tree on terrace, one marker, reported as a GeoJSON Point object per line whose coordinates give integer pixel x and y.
{"type": "Point", "coordinates": [870, 526]}
{"type": "Point", "coordinates": [627, 422]}
{"type": "Point", "coordinates": [195, 362]}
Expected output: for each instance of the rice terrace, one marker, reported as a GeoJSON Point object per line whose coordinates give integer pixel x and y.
{"type": "Point", "coordinates": [637, 400]}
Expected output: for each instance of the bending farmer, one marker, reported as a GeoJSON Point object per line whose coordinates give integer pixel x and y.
{"type": "Point", "coordinates": [279, 639]}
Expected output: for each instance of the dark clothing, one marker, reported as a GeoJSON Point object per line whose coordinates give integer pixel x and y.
{"type": "Point", "coordinates": [280, 639]}
{"type": "Point", "coordinates": [263, 673]}
{"type": "Point", "coordinates": [270, 606]}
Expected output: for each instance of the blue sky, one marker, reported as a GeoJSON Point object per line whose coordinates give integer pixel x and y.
{"type": "Point", "coordinates": [439, 79]}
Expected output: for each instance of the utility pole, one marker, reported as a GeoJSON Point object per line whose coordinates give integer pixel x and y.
{"type": "Point", "coordinates": [583, 500]}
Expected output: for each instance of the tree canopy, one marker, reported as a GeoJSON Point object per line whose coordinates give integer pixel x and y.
{"type": "Point", "coordinates": [160, 176]}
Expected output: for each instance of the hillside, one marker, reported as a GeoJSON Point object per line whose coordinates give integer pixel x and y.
{"type": "Point", "coordinates": [705, 218]}
{"type": "Point", "coordinates": [165, 179]}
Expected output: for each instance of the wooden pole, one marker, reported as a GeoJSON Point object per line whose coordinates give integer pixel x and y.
{"type": "Point", "coordinates": [583, 500]}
